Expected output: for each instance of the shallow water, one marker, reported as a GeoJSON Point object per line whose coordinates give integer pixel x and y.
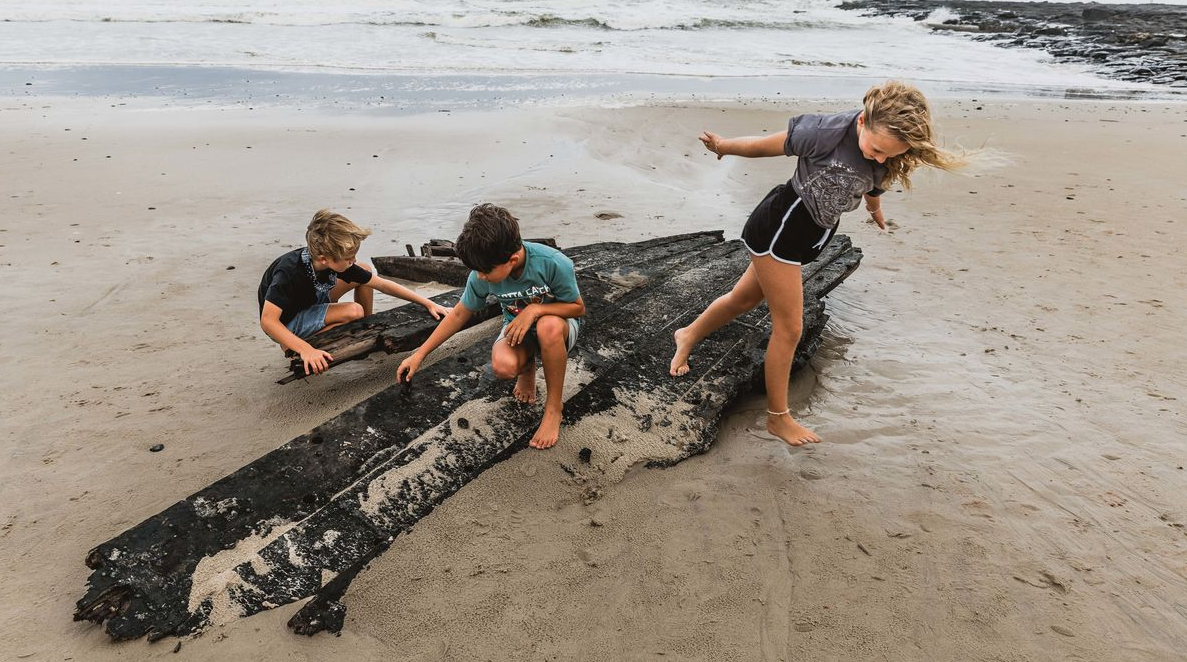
{"type": "Point", "coordinates": [463, 37]}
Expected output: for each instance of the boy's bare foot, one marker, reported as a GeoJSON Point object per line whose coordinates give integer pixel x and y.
{"type": "Point", "coordinates": [785, 427]}
{"type": "Point", "coordinates": [684, 345]}
{"type": "Point", "coordinates": [525, 386]}
{"type": "Point", "coordinates": [548, 432]}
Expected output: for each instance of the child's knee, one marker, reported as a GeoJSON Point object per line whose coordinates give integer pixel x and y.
{"type": "Point", "coordinates": [504, 367]}
{"type": "Point", "coordinates": [550, 330]}
{"type": "Point", "coordinates": [746, 302]}
{"type": "Point", "coordinates": [354, 311]}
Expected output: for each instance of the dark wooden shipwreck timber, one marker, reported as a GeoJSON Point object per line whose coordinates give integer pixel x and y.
{"type": "Point", "coordinates": [303, 520]}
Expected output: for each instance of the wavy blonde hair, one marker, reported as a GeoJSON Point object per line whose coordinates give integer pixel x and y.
{"type": "Point", "coordinates": [901, 111]}
{"type": "Point", "coordinates": [333, 235]}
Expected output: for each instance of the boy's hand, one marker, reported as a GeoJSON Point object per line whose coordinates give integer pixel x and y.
{"type": "Point", "coordinates": [518, 329]}
{"type": "Point", "coordinates": [437, 310]}
{"type": "Point", "coordinates": [409, 365]}
{"type": "Point", "coordinates": [713, 143]}
{"type": "Point", "coordinates": [316, 359]}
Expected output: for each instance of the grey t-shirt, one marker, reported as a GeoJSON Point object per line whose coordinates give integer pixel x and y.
{"type": "Point", "coordinates": [831, 174]}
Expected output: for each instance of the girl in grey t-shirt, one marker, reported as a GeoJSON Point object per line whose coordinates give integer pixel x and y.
{"type": "Point", "coordinates": [843, 158]}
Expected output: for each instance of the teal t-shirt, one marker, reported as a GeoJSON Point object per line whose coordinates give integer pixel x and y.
{"type": "Point", "coordinates": [547, 277]}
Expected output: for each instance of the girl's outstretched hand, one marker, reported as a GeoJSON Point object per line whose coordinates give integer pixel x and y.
{"type": "Point", "coordinates": [713, 143]}
{"type": "Point", "coordinates": [878, 218]}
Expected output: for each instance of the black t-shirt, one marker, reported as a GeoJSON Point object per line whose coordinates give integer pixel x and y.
{"type": "Point", "coordinates": [287, 284]}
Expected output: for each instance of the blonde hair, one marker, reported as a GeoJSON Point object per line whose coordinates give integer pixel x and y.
{"type": "Point", "coordinates": [333, 235]}
{"type": "Point", "coordinates": [901, 111]}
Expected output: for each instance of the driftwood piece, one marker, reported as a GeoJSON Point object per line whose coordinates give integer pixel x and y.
{"type": "Point", "coordinates": [404, 328]}
{"type": "Point", "coordinates": [438, 248]}
{"type": "Point", "coordinates": [446, 248]}
{"type": "Point", "coordinates": [444, 270]}
{"type": "Point", "coordinates": [395, 330]}
{"type": "Point", "coordinates": [353, 484]}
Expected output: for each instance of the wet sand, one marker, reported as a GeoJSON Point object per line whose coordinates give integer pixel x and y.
{"type": "Point", "coordinates": [1000, 388]}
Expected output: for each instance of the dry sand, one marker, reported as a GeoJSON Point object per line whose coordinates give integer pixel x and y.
{"type": "Point", "coordinates": [1001, 388]}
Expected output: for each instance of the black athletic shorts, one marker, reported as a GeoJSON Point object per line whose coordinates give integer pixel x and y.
{"type": "Point", "coordinates": [782, 227]}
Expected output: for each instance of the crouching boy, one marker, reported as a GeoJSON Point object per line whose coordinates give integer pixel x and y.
{"type": "Point", "coordinates": [537, 290]}
{"type": "Point", "coordinates": [299, 293]}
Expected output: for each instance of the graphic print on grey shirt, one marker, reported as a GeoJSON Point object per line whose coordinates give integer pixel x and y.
{"type": "Point", "coordinates": [831, 174]}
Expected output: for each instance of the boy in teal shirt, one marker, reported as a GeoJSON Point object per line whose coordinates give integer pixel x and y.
{"type": "Point", "coordinates": [537, 290]}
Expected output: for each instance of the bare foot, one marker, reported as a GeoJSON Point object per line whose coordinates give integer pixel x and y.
{"type": "Point", "coordinates": [525, 386]}
{"type": "Point", "coordinates": [794, 434]}
{"type": "Point", "coordinates": [548, 432]}
{"type": "Point", "coordinates": [684, 345]}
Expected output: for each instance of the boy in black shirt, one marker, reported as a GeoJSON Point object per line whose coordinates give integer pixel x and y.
{"type": "Point", "coordinates": [299, 292]}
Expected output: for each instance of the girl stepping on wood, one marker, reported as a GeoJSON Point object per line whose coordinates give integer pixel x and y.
{"type": "Point", "coordinates": [843, 157]}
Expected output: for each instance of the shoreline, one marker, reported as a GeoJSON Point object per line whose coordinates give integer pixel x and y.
{"type": "Point", "coordinates": [402, 94]}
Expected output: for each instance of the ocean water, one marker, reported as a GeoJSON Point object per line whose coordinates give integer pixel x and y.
{"type": "Point", "coordinates": [511, 42]}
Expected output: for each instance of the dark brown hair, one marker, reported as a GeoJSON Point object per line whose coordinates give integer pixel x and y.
{"type": "Point", "coordinates": [489, 238]}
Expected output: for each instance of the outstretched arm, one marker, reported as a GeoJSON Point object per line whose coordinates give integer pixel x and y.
{"type": "Point", "coordinates": [454, 321]}
{"type": "Point", "coordinates": [399, 291]}
{"type": "Point", "coordinates": [748, 146]}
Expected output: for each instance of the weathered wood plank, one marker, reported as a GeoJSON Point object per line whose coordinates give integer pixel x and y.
{"type": "Point", "coordinates": [444, 270]}
{"type": "Point", "coordinates": [446, 248]}
{"type": "Point", "coordinates": [144, 578]}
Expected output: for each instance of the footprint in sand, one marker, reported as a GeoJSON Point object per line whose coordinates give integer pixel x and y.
{"type": "Point", "coordinates": [811, 473]}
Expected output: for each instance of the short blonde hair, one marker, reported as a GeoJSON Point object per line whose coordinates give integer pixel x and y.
{"type": "Point", "coordinates": [901, 111]}
{"type": "Point", "coordinates": [333, 235]}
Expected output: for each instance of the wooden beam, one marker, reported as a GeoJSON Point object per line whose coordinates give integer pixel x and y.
{"type": "Point", "coordinates": [352, 485]}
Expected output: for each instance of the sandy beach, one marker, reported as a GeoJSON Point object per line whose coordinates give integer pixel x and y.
{"type": "Point", "coordinates": [1000, 388]}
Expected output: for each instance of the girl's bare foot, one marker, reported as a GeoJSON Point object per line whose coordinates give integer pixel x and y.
{"type": "Point", "coordinates": [684, 345]}
{"type": "Point", "coordinates": [782, 425]}
{"type": "Point", "coordinates": [525, 386]}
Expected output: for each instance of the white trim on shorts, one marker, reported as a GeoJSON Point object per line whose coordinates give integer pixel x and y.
{"type": "Point", "coordinates": [828, 232]}
{"type": "Point", "coordinates": [782, 224]}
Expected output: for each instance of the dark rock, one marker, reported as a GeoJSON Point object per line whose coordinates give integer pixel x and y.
{"type": "Point", "coordinates": [1087, 32]}
{"type": "Point", "coordinates": [157, 448]}
{"type": "Point", "coordinates": [584, 455]}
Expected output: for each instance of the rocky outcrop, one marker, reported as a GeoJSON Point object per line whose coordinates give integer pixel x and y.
{"type": "Point", "coordinates": [1146, 43]}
